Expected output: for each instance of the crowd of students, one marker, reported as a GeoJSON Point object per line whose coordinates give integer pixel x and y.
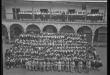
{"type": "Point", "coordinates": [61, 16]}
{"type": "Point", "coordinates": [52, 52]}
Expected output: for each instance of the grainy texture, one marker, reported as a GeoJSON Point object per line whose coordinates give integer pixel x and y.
{"type": "Point", "coordinates": [101, 51]}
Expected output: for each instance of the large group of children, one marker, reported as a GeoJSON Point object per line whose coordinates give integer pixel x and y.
{"type": "Point", "coordinates": [53, 52]}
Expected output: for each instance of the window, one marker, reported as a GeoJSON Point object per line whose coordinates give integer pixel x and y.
{"type": "Point", "coordinates": [15, 13]}
{"type": "Point", "coordinates": [71, 11]}
{"type": "Point", "coordinates": [80, 12]}
{"type": "Point", "coordinates": [83, 6]}
{"type": "Point", "coordinates": [94, 11]}
{"type": "Point", "coordinates": [44, 10]}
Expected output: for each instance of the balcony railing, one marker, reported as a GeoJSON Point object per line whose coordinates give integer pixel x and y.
{"type": "Point", "coordinates": [57, 17]}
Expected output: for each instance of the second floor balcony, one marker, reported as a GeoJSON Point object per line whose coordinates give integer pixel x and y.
{"type": "Point", "coordinates": [57, 17]}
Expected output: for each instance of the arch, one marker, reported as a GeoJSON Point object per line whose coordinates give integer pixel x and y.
{"type": "Point", "coordinates": [15, 31]}
{"type": "Point", "coordinates": [67, 29]}
{"type": "Point", "coordinates": [50, 29]}
{"type": "Point", "coordinates": [5, 33]}
{"type": "Point", "coordinates": [34, 29]}
{"type": "Point", "coordinates": [100, 34]}
{"type": "Point", "coordinates": [85, 30]}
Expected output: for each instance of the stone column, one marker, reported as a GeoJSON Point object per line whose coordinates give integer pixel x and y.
{"type": "Point", "coordinates": [9, 35]}
{"type": "Point", "coordinates": [75, 29]}
{"type": "Point", "coordinates": [41, 30]}
{"type": "Point", "coordinates": [24, 27]}
{"type": "Point", "coordinates": [105, 14]}
{"type": "Point", "coordinates": [24, 30]}
{"type": "Point", "coordinates": [93, 34]}
{"type": "Point", "coordinates": [58, 30]}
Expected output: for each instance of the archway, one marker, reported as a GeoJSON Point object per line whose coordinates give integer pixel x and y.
{"type": "Point", "coordinates": [86, 30]}
{"type": "Point", "coordinates": [67, 29]}
{"type": "Point", "coordinates": [50, 29]}
{"type": "Point", "coordinates": [33, 29]}
{"type": "Point", "coordinates": [4, 33]}
{"type": "Point", "coordinates": [15, 31]}
{"type": "Point", "coordinates": [101, 35]}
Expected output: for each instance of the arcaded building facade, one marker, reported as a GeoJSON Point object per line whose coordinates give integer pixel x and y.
{"type": "Point", "coordinates": [88, 18]}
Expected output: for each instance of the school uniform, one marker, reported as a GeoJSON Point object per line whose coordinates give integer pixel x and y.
{"type": "Point", "coordinates": [55, 66]}
{"type": "Point", "coordinates": [66, 66]}
{"type": "Point", "coordinates": [37, 66]}
{"type": "Point", "coordinates": [72, 66]}
{"type": "Point", "coordinates": [7, 64]}
{"type": "Point", "coordinates": [44, 65]}
{"type": "Point", "coordinates": [33, 65]}
{"type": "Point", "coordinates": [27, 65]}
{"type": "Point", "coordinates": [97, 64]}
{"type": "Point", "coordinates": [41, 66]}
{"type": "Point", "coordinates": [51, 66]}
{"type": "Point", "coordinates": [80, 66]}
{"type": "Point", "coordinates": [76, 65]}
{"type": "Point", "coordinates": [59, 66]}
{"type": "Point", "coordinates": [62, 66]}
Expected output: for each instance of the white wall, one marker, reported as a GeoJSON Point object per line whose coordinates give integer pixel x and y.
{"type": "Point", "coordinates": [54, 6]}
{"type": "Point", "coordinates": [27, 6]}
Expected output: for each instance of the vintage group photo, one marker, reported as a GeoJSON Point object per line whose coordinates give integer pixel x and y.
{"type": "Point", "coordinates": [54, 37]}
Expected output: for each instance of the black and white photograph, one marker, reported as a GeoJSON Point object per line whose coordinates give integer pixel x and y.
{"type": "Point", "coordinates": [54, 37]}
